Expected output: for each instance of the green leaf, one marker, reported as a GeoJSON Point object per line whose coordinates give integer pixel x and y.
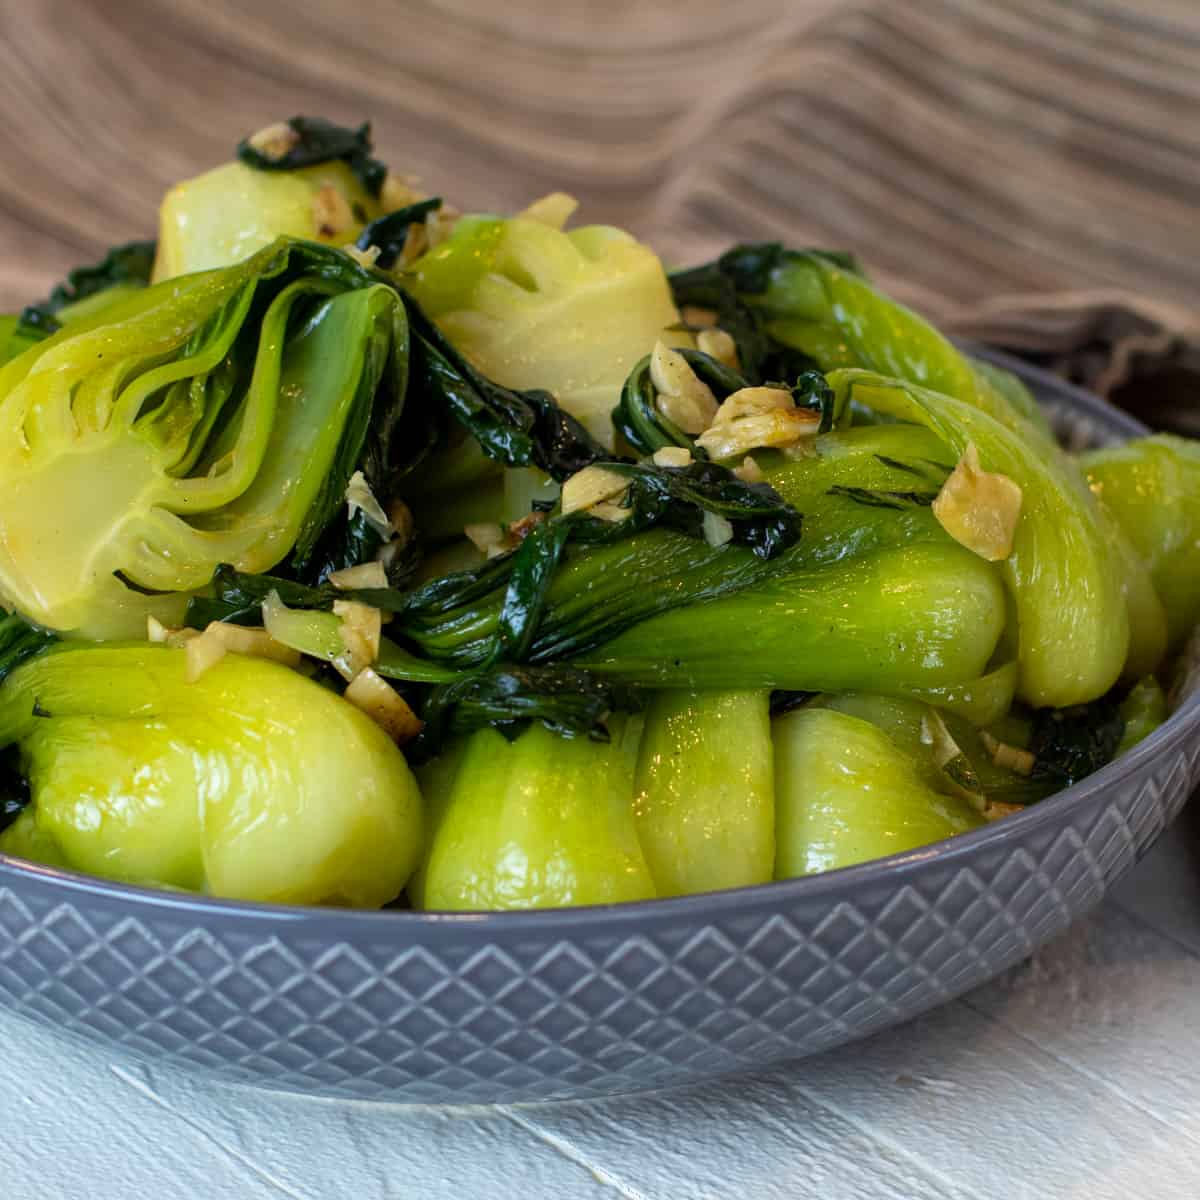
{"type": "Point", "coordinates": [320, 141]}
{"type": "Point", "coordinates": [128, 266]}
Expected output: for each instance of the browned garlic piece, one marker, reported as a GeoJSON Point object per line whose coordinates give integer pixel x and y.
{"type": "Point", "coordinates": [718, 344]}
{"type": "Point", "coordinates": [364, 258]}
{"type": "Point", "coordinates": [399, 191]}
{"type": "Point", "coordinates": [274, 142]}
{"type": "Point", "coordinates": [592, 487]}
{"type": "Point", "coordinates": [1012, 758]}
{"type": "Point", "coordinates": [759, 418]}
{"type": "Point", "coordinates": [490, 538]}
{"type": "Point", "coordinates": [374, 696]}
{"type": "Point", "coordinates": [749, 471]}
{"type": "Point", "coordinates": [979, 509]}
{"type": "Point", "coordinates": [332, 215]}
{"type": "Point", "coordinates": [672, 456]}
{"type": "Point", "coordinates": [362, 630]}
{"type": "Point", "coordinates": [221, 638]}
{"type": "Point", "coordinates": [683, 397]}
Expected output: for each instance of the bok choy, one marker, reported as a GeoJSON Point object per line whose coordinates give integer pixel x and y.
{"type": "Point", "coordinates": [660, 583]}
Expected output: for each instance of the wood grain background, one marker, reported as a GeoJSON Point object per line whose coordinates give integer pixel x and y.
{"type": "Point", "coordinates": [965, 148]}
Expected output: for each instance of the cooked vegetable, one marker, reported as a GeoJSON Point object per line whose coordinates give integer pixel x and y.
{"type": "Point", "coordinates": [323, 187]}
{"type": "Point", "coordinates": [921, 616]}
{"type": "Point", "coordinates": [1063, 577]}
{"type": "Point", "coordinates": [819, 304]}
{"type": "Point", "coordinates": [1151, 486]}
{"type": "Point", "coordinates": [704, 791]}
{"type": "Point", "coordinates": [662, 585]}
{"type": "Point", "coordinates": [537, 822]}
{"type": "Point", "coordinates": [845, 793]}
{"type": "Point", "coordinates": [251, 782]}
{"type": "Point", "coordinates": [158, 438]}
{"type": "Point", "coordinates": [515, 296]}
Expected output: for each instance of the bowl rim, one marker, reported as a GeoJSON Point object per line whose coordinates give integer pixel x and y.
{"type": "Point", "coordinates": [781, 895]}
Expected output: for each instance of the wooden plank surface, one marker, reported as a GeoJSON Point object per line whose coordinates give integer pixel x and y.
{"type": "Point", "coordinates": [964, 149]}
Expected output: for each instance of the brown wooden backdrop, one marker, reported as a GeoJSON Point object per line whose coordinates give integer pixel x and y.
{"type": "Point", "coordinates": [965, 147]}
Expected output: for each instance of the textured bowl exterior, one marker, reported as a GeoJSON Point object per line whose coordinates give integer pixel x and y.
{"type": "Point", "coordinates": [578, 1003]}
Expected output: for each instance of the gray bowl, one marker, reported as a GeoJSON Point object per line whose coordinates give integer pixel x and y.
{"type": "Point", "coordinates": [577, 1003]}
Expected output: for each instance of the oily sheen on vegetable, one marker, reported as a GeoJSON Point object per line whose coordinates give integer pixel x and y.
{"type": "Point", "coordinates": [359, 551]}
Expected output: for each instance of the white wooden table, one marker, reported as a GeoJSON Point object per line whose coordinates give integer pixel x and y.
{"type": "Point", "coordinates": [1076, 1075]}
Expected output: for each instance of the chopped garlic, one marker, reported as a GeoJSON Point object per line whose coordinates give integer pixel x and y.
{"type": "Point", "coordinates": [718, 530]}
{"type": "Point", "coordinates": [439, 225]}
{"type": "Point", "coordinates": [364, 258]}
{"type": "Point", "coordinates": [759, 417]}
{"type": "Point", "coordinates": [749, 471]}
{"type": "Point", "coordinates": [156, 631]}
{"type": "Point", "coordinates": [718, 344]}
{"type": "Point", "coordinates": [359, 496]}
{"type": "Point", "coordinates": [399, 191]}
{"type": "Point", "coordinates": [490, 538]}
{"type": "Point", "coordinates": [385, 706]}
{"type": "Point", "coordinates": [274, 142]}
{"type": "Point", "coordinates": [591, 486]}
{"type": "Point", "coordinates": [401, 518]}
{"type": "Point", "coordinates": [672, 456]}
{"type": "Point", "coordinates": [203, 653]}
{"type": "Point", "coordinates": [365, 575]}
{"type": "Point", "coordinates": [554, 210]}
{"type": "Point", "coordinates": [331, 211]}
{"type": "Point", "coordinates": [1012, 758]}
{"type": "Point", "coordinates": [979, 509]}
{"type": "Point", "coordinates": [221, 638]}
{"type": "Point", "coordinates": [362, 628]}
{"type": "Point", "coordinates": [416, 242]}
{"type": "Point", "coordinates": [683, 397]}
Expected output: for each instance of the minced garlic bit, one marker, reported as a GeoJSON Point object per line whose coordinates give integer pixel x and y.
{"type": "Point", "coordinates": [274, 142]}
{"type": "Point", "coordinates": [717, 529]}
{"type": "Point", "coordinates": [221, 638]}
{"type": "Point", "coordinates": [759, 417]}
{"type": "Point", "coordinates": [401, 518]}
{"type": "Point", "coordinates": [590, 487]}
{"type": "Point", "coordinates": [554, 210]}
{"type": "Point", "coordinates": [399, 191]}
{"type": "Point", "coordinates": [156, 631]}
{"type": "Point", "coordinates": [749, 471]}
{"type": "Point", "coordinates": [683, 397]}
{"type": "Point", "coordinates": [362, 629]}
{"type": "Point", "coordinates": [365, 575]}
{"type": "Point", "coordinates": [1012, 758]}
{"type": "Point", "coordinates": [439, 225]}
{"type": "Point", "coordinates": [374, 696]}
{"type": "Point", "coordinates": [979, 509]}
{"type": "Point", "coordinates": [331, 211]}
{"type": "Point", "coordinates": [491, 538]}
{"type": "Point", "coordinates": [416, 242]}
{"type": "Point", "coordinates": [718, 344]}
{"type": "Point", "coordinates": [359, 496]}
{"type": "Point", "coordinates": [364, 258]}
{"type": "Point", "coordinates": [672, 456]}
